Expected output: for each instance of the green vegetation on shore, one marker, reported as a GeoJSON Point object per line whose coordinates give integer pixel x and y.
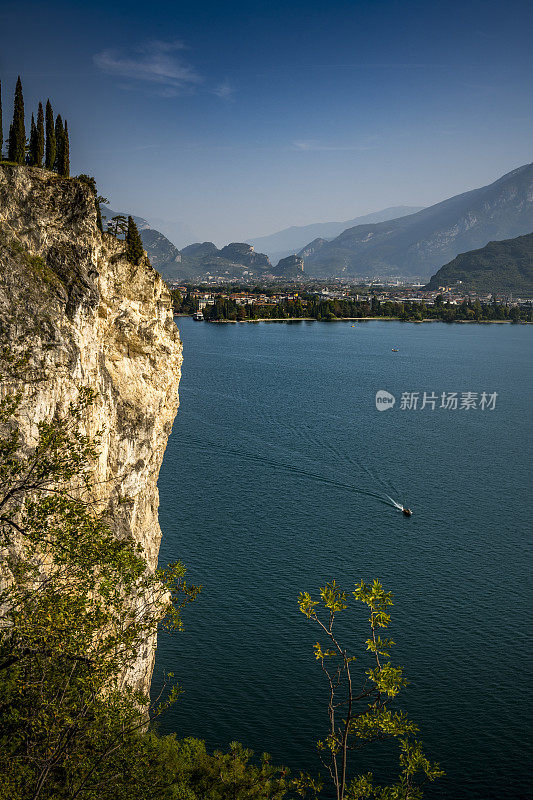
{"type": "Point", "coordinates": [311, 306]}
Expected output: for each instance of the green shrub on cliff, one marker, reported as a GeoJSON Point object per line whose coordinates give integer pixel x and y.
{"type": "Point", "coordinates": [152, 767]}
{"type": "Point", "coordinates": [134, 245]}
{"type": "Point", "coordinates": [91, 183]}
{"type": "Point", "coordinates": [78, 605]}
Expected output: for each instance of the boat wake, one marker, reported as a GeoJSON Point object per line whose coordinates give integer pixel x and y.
{"type": "Point", "coordinates": [343, 460]}
{"type": "Point", "coordinates": [394, 503]}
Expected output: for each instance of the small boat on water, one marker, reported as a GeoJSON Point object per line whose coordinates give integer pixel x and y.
{"type": "Point", "coordinates": [395, 350]}
{"type": "Point", "coordinates": [407, 512]}
{"type": "Point", "coordinates": [198, 316]}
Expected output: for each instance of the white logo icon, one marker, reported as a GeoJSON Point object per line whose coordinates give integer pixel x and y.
{"type": "Point", "coordinates": [384, 400]}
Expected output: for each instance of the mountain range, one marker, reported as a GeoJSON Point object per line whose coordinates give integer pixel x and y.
{"type": "Point", "coordinates": [235, 260]}
{"type": "Point", "coordinates": [196, 261]}
{"type": "Point", "coordinates": [413, 244]}
{"type": "Point", "coordinates": [291, 240]}
{"type": "Point", "coordinates": [420, 243]}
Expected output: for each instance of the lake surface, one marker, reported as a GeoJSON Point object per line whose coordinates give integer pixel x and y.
{"type": "Point", "coordinates": [262, 496]}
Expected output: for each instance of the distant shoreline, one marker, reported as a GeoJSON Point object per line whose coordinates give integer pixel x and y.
{"type": "Point", "coordinates": [363, 319]}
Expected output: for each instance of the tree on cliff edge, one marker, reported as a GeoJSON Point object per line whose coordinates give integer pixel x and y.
{"type": "Point", "coordinates": [60, 142]}
{"type": "Point", "coordinates": [134, 245]}
{"type": "Point", "coordinates": [36, 149]}
{"type": "Point", "coordinates": [32, 147]}
{"type": "Point", "coordinates": [62, 163]}
{"type": "Point", "coordinates": [50, 137]}
{"type": "Point", "coordinates": [39, 155]}
{"type": "Point", "coordinates": [17, 132]}
{"type": "Point", "coordinates": [64, 166]}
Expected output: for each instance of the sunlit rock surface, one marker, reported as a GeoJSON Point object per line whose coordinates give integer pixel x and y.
{"type": "Point", "coordinates": [90, 318]}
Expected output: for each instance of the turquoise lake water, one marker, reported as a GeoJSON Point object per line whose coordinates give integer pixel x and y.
{"type": "Point", "coordinates": [263, 495]}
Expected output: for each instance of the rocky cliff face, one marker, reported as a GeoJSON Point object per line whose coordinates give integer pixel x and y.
{"type": "Point", "coordinates": [242, 253]}
{"type": "Point", "coordinates": [90, 318]}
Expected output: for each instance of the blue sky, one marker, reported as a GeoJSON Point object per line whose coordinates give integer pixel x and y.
{"type": "Point", "coordinates": [240, 119]}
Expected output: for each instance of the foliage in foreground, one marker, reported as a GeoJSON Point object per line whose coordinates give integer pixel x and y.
{"type": "Point", "coordinates": [77, 605]}
{"type": "Point", "coordinates": [361, 715]}
{"type": "Point", "coordinates": [165, 768]}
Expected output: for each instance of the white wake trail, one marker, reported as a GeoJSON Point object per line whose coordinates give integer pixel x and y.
{"type": "Point", "coordinates": [394, 503]}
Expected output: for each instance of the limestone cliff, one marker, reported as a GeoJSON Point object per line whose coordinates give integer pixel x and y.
{"type": "Point", "coordinates": [90, 318]}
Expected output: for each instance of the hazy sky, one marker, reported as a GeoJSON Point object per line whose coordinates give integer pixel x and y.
{"type": "Point", "coordinates": [239, 119]}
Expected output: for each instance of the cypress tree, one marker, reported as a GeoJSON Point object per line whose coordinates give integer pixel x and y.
{"type": "Point", "coordinates": [59, 134]}
{"type": "Point", "coordinates": [50, 137]}
{"type": "Point", "coordinates": [1, 129]}
{"type": "Point", "coordinates": [40, 137]}
{"type": "Point", "coordinates": [32, 149]}
{"type": "Point", "coordinates": [99, 223]}
{"type": "Point", "coordinates": [64, 167]}
{"type": "Point", "coordinates": [17, 132]}
{"type": "Point", "coordinates": [134, 245]}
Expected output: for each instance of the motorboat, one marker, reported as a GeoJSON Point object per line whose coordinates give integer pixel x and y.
{"type": "Point", "coordinates": [407, 512]}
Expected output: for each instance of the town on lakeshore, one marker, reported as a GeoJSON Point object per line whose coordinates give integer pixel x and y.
{"type": "Point", "coordinates": [238, 302]}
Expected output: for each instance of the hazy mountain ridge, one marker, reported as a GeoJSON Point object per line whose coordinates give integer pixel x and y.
{"type": "Point", "coordinates": [235, 260]}
{"type": "Point", "coordinates": [505, 266]}
{"type": "Point", "coordinates": [419, 243]}
{"type": "Point", "coordinates": [290, 267]}
{"type": "Point", "coordinates": [414, 244]}
{"type": "Point", "coordinates": [198, 260]}
{"type": "Point", "coordinates": [200, 249]}
{"type": "Point", "coordinates": [243, 253]}
{"type": "Point", "coordinates": [291, 240]}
